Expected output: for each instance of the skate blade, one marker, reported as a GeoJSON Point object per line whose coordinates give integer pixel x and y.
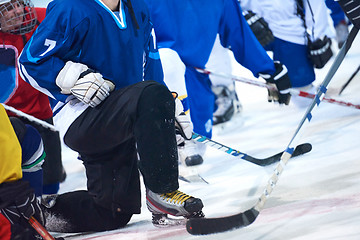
{"type": "Point", "coordinates": [163, 221]}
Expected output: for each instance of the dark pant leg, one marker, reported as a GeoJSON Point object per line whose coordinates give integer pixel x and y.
{"type": "Point", "coordinates": [112, 197]}
{"type": "Point", "coordinates": [156, 142]}
{"type": "Point", "coordinates": [113, 178]}
{"type": "Point", "coordinates": [78, 212]}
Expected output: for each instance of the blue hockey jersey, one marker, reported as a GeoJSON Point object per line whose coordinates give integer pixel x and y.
{"type": "Point", "coordinates": [190, 27]}
{"type": "Point", "coordinates": [88, 32]}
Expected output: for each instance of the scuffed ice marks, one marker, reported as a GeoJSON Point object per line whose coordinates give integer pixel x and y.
{"type": "Point", "coordinates": [55, 223]}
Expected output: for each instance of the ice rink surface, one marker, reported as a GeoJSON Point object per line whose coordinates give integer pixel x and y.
{"type": "Point", "coordinates": [316, 197]}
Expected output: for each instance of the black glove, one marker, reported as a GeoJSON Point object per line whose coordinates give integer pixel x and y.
{"type": "Point", "coordinates": [320, 51]}
{"type": "Point", "coordinates": [282, 82]}
{"type": "Point", "coordinates": [352, 10]}
{"type": "Point", "coordinates": [259, 27]}
{"type": "Point", "coordinates": [18, 203]}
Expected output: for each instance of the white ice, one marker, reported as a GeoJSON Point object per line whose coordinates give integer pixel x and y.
{"type": "Point", "coordinates": [316, 197]}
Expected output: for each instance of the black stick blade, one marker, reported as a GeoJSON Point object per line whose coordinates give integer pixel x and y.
{"type": "Point", "coordinates": [302, 149]}
{"type": "Point", "coordinates": [299, 150]}
{"type": "Point", "coordinates": [203, 226]}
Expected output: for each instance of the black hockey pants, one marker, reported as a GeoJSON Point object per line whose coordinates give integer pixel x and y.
{"type": "Point", "coordinates": [136, 119]}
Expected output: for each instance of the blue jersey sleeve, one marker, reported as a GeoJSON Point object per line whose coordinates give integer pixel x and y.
{"type": "Point", "coordinates": [236, 34]}
{"type": "Point", "coordinates": [45, 54]}
{"type": "Point", "coordinates": [337, 14]}
{"type": "Point", "coordinates": [153, 69]}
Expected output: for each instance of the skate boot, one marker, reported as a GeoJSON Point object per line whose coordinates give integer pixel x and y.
{"type": "Point", "coordinates": [227, 103]}
{"type": "Point", "coordinates": [189, 153]}
{"type": "Point", "coordinates": [176, 204]}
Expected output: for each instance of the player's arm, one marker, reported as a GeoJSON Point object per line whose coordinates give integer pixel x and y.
{"type": "Point", "coordinates": [238, 36]}
{"type": "Point", "coordinates": [43, 65]}
{"type": "Point", "coordinates": [54, 40]}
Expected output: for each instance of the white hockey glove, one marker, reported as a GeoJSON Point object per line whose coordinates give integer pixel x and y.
{"type": "Point", "coordinates": [84, 83]}
{"type": "Point", "coordinates": [183, 125]}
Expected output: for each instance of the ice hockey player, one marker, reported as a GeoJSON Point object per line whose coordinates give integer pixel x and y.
{"type": "Point", "coordinates": [98, 59]}
{"type": "Point", "coordinates": [18, 21]}
{"type": "Point", "coordinates": [186, 31]}
{"type": "Point", "coordinates": [293, 24]}
{"type": "Point", "coordinates": [19, 166]}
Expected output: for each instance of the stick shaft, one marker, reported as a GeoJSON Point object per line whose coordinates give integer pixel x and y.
{"type": "Point", "coordinates": [40, 229]}
{"type": "Point", "coordinates": [307, 116]}
{"type": "Point", "coordinates": [30, 118]}
{"type": "Point", "coordinates": [270, 87]}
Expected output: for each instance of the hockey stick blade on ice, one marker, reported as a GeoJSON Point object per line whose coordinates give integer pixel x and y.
{"type": "Point", "coordinates": [299, 150]}
{"type": "Point", "coordinates": [202, 226]}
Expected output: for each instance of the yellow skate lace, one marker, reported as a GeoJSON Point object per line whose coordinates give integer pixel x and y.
{"type": "Point", "coordinates": [177, 197]}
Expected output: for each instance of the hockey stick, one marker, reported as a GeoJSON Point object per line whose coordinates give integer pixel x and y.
{"type": "Point", "coordinates": [201, 226]}
{"type": "Point", "coordinates": [30, 118]}
{"type": "Point", "coordinates": [348, 81]}
{"type": "Point", "coordinates": [40, 229]}
{"type": "Point", "coordinates": [293, 91]}
{"type": "Point", "coordinates": [300, 149]}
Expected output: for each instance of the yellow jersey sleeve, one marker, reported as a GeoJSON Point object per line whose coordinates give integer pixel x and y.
{"type": "Point", "coordinates": [10, 150]}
